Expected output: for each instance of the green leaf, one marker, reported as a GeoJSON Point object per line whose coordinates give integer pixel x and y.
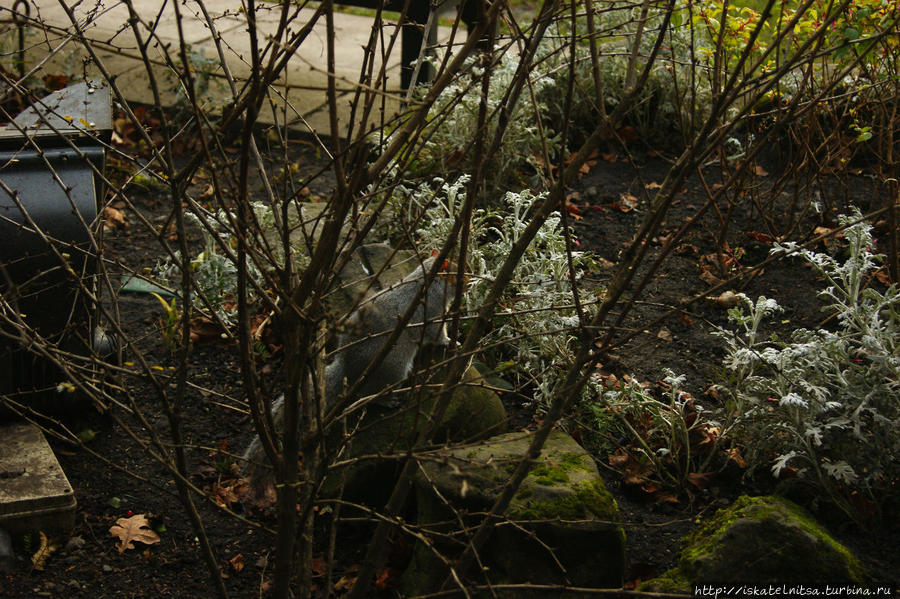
{"type": "Point", "coordinates": [851, 33]}
{"type": "Point", "coordinates": [864, 136]}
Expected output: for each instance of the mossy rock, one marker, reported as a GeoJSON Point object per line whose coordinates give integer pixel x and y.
{"type": "Point", "coordinates": [760, 540]}
{"type": "Point", "coordinates": [562, 525]}
{"type": "Point", "coordinates": [382, 436]}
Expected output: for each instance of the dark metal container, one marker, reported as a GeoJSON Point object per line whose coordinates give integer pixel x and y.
{"type": "Point", "coordinates": [51, 156]}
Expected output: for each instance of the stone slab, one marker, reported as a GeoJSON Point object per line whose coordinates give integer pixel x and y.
{"type": "Point", "coordinates": [34, 491]}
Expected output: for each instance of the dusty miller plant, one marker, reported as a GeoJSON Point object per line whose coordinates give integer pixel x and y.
{"type": "Point", "coordinates": [672, 435]}
{"type": "Point", "coordinates": [827, 403]}
{"type": "Point", "coordinates": [214, 274]}
{"type": "Point", "coordinates": [536, 329]}
{"type": "Point", "coordinates": [454, 118]}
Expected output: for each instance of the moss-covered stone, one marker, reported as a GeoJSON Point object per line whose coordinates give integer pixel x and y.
{"type": "Point", "coordinates": [761, 540]}
{"type": "Point", "coordinates": [561, 515]}
{"type": "Point", "coordinates": [670, 581]}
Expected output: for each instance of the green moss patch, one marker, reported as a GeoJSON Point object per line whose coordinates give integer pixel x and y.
{"type": "Point", "coordinates": [763, 540]}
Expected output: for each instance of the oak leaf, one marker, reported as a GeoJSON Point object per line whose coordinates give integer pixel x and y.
{"type": "Point", "coordinates": [136, 528]}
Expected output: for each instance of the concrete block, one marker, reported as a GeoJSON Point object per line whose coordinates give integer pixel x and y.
{"type": "Point", "coordinates": [34, 491]}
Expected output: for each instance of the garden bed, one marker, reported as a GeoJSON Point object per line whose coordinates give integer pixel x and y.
{"type": "Point", "coordinates": [113, 476]}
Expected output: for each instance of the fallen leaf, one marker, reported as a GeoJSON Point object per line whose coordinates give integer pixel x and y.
{"type": "Point", "coordinates": [237, 562]}
{"type": "Point", "coordinates": [650, 487]}
{"type": "Point", "coordinates": [709, 278]}
{"type": "Point", "coordinates": [686, 248]}
{"type": "Point", "coordinates": [136, 528]}
{"type": "Point", "coordinates": [735, 456]}
{"type": "Point", "coordinates": [204, 329]}
{"type": "Point", "coordinates": [626, 203]}
{"type": "Point", "coordinates": [828, 232]}
{"type": "Point", "coordinates": [387, 578]}
{"type": "Point", "coordinates": [345, 582]}
{"type": "Point", "coordinates": [45, 549]}
{"type": "Point", "coordinates": [760, 171]}
{"type": "Point", "coordinates": [604, 263]}
{"type": "Point", "coordinates": [627, 133]}
{"type": "Point", "coordinates": [113, 219]}
{"type": "Point", "coordinates": [760, 237]}
{"type": "Point", "coordinates": [224, 495]}
{"type": "Point", "coordinates": [619, 458]}
{"type": "Point", "coordinates": [319, 567]}
{"type": "Point", "coordinates": [666, 497]}
{"type": "Point", "coordinates": [710, 434]}
{"type": "Point", "coordinates": [56, 82]}
{"type": "Point", "coordinates": [699, 480]}
{"type": "Point", "coordinates": [573, 209]}
{"type": "Point", "coordinates": [652, 185]}
{"type": "Point", "coordinates": [883, 277]}
{"type": "Point", "coordinates": [685, 319]}
{"type": "Point", "coordinates": [664, 334]}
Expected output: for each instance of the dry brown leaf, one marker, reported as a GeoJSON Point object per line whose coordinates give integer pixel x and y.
{"type": "Point", "coordinates": [604, 263]}
{"type": "Point", "coordinates": [45, 549]}
{"type": "Point", "coordinates": [710, 434]}
{"type": "Point", "coordinates": [819, 231]}
{"type": "Point", "coordinates": [699, 479]}
{"type": "Point", "coordinates": [651, 487]}
{"type": "Point", "coordinates": [883, 277]}
{"type": "Point", "coordinates": [56, 81]}
{"type": "Point", "coordinates": [734, 454]}
{"type": "Point", "coordinates": [204, 329]}
{"type": "Point", "coordinates": [225, 495]}
{"type": "Point", "coordinates": [573, 209]}
{"type": "Point", "coordinates": [664, 334]}
{"type": "Point", "coordinates": [627, 133]}
{"type": "Point", "coordinates": [113, 219]}
{"type": "Point", "coordinates": [345, 582]}
{"type": "Point", "coordinates": [319, 567]}
{"type": "Point", "coordinates": [626, 203]}
{"type": "Point", "coordinates": [760, 237]}
{"type": "Point", "coordinates": [619, 458]}
{"type": "Point", "coordinates": [760, 171]}
{"type": "Point", "coordinates": [237, 562]}
{"type": "Point", "coordinates": [652, 185]}
{"type": "Point", "coordinates": [666, 497]}
{"type": "Point", "coordinates": [387, 578]}
{"type": "Point", "coordinates": [709, 278]}
{"type": "Point", "coordinates": [136, 528]}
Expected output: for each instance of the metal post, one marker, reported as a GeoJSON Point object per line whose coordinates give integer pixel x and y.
{"type": "Point", "coordinates": [20, 18]}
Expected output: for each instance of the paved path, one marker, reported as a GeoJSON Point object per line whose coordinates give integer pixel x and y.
{"type": "Point", "coordinates": [105, 25]}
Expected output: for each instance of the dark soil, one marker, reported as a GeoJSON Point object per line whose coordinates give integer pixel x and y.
{"type": "Point", "coordinates": [114, 477]}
